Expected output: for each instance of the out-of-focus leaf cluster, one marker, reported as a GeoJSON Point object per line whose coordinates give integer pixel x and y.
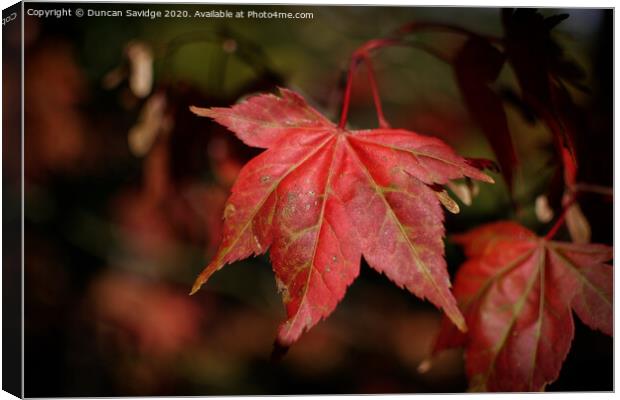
{"type": "Point", "coordinates": [125, 189]}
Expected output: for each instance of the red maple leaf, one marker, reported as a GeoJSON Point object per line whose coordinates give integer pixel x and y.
{"type": "Point", "coordinates": [320, 197]}
{"type": "Point", "coordinates": [516, 291]}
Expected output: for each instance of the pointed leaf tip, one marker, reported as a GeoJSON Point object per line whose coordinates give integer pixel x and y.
{"type": "Point", "coordinates": [202, 279]}
{"type": "Point", "coordinates": [196, 287]}
{"type": "Point", "coordinates": [448, 202]}
{"type": "Point", "coordinates": [460, 323]}
{"type": "Point", "coordinates": [202, 112]}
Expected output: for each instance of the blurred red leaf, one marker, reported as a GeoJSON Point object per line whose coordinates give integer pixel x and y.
{"type": "Point", "coordinates": [477, 65]}
{"type": "Point", "coordinates": [539, 65]}
{"type": "Point", "coordinates": [516, 291]}
{"type": "Point", "coordinates": [320, 197]}
{"type": "Point", "coordinates": [161, 320]}
{"type": "Point", "coordinates": [52, 70]}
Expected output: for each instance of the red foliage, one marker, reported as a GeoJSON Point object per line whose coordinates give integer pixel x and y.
{"type": "Point", "coordinates": [51, 69]}
{"type": "Point", "coordinates": [159, 320]}
{"type": "Point", "coordinates": [321, 197]}
{"type": "Point", "coordinates": [517, 291]}
{"type": "Point", "coordinates": [477, 66]}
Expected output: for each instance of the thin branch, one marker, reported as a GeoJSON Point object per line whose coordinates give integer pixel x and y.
{"type": "Point", "coordinates": [415, 27]}
{"type": "Point", "coordinates": [591, 188]}
{"type": "Point", "coordinates": [347, 95]}
{"type": "Point", "coordinates": [397, 39]}
{"type": "Point", "coordinates": [375, 93]}
{"type": "Point", "coordinates": [561, 218]}
{"type": "Point", "coordinates": [363, 54]}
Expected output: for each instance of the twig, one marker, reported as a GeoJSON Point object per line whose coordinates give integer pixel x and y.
{"type": "Point", "coordinates": [591, 188]}
{"type": "Point", "coordinates": [561, 218]}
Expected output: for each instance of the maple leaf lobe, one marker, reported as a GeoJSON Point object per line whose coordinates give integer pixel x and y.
{"type": "Point", "coordinates": [321, 198]}
{"type": "Point", "coordinates": [262, 120]}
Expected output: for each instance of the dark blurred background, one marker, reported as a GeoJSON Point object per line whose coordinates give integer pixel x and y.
{"type": "Point", "coordinates": [125, 189]}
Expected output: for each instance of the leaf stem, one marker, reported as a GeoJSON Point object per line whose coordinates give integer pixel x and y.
{"type": "Point", "coordinates": [580, 188]}
{"type": "Point", "coordinates": [561, 218]}
{"type": "Point", "coordinates": [375, 93]}
{"type": "Point", "coordinates": [591, 188]}
{"type": "Point", "coordinates": [414, 27]}
{"type": "Point", "coordinates": [362, 54]}
{"type": "Point", "coordinates": [347, 95]}
{"type": "Point", "coordinates": [364, 51]}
